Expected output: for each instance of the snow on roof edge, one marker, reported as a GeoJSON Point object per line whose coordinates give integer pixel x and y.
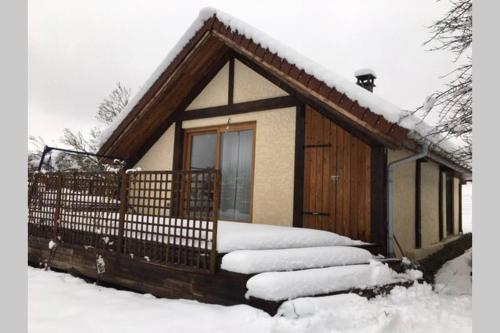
{"type": "Point", "coordinates": [186, 37]}
{"type": "Point", "coordinates": [364, 98]}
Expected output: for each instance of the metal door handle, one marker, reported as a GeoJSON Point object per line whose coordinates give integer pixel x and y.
{"type": "Point", "coordinates": [334, 178]}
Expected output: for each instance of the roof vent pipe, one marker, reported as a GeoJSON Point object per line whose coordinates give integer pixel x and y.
{"type": "Point", "coordinates": [366, 78]}
{"type": "Point", "coordinates": [390, 189]}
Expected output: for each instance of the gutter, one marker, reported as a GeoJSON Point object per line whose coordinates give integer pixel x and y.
{"type": "Point", "coordinates": [390, 189]}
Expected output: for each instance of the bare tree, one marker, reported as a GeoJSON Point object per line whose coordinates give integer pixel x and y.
{"type": "Point", "coordinates": [82, 142]}
{"type": "Point", "coordinates": [113, 105]}
{"type": "Point", "coordinates": [35, 153]}
{"type": "Point", "coordinates": [454, 103]}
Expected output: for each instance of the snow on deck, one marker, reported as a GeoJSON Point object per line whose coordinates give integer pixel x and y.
{"type": "Point", "coordinates": [233, 236]}
{"type": "Point", "coordinates": [278, 286]}
{"type": "Point", "coordinates": [258, 261]}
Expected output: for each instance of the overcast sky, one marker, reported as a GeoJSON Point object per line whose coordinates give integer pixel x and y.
{"type": "Point", "coordinates": [78, 50]}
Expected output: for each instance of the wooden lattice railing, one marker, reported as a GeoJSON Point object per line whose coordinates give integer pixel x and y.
{"type": "Point", "coordinates": [162, 217]}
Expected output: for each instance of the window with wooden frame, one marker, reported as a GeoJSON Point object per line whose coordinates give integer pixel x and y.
{"type": "Point", "coordinates": [231, 149]}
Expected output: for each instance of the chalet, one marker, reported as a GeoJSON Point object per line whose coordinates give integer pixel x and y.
{"type": "Point", "coordinates": [258, 169]}
{"type": "Point", "coordinates": [297, 145]}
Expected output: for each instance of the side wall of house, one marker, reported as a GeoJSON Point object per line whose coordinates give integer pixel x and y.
{"type": "Point", "coordinates": [403, 201]}
{"type": "Point", "coordinates": [429, 203]}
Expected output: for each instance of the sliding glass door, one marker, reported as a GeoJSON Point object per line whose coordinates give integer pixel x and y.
{"type": "Point", "coordinates": [232, 151]}
{"type": "Point", "coordinates": [236, 169]}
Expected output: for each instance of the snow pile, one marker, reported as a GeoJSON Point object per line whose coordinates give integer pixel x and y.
{"type": "Point", "coordinates": [278, 286]}
{"type": "Point", "coordinates": [62, 303]}
{"type": "Point", "coordinates": [416, 309]}
{"type": "Point", "coordinates": [455, 276]}
{"type": "Point", "coordinates": [233, 236]}
{"type": "Point", "coordinates": [258, 261]}
{"type": "Point", "coordinates": [364, 98]}
{"type": "Point", "coordinates": [57, 301]}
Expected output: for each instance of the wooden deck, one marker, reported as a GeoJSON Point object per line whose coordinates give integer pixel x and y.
{"type": "Point", "coordinates": [152, 237]}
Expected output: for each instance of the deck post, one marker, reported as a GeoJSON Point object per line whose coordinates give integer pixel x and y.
{"type": "Point", "coordinates": [57, 213]}
{"type": "Point", "coordinates": [123, 211]}
{"type": "Point", "coordinates": [213, 250]}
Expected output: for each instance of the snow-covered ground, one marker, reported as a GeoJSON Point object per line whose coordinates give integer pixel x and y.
{"type": "Point", "coordinates": [455, 276]}
{"type": "Point", "coordinates": [61, 303]}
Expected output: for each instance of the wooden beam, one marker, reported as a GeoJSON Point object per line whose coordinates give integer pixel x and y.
{"type": "Point", "coordinates": [178, 146]}
{"type": "Point", "coordinates": [418, 204]}
{"type": "Point", "coordinates": [379, 197]}
{"type": "Point", "coordinates": [460, 229]}
{"type": "Point", "coordinates": [298, 183]}
{"type": "Point", "coordinates": [230, 93]}
{"type": "Point", "coordinates": [440, 209]}
{"type": "Point", "coordinates": [245, 107]}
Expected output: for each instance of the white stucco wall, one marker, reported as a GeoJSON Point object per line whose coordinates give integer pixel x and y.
{"type": "Point", "coordinates": [403, 201]}
{"type": "Point", "coordinates": [215, 93]}
{"type": "Point", "coordinates": [274, 162]}
{"type": "Point", "coordinates": [160, 155]}
{"type": "Point", "coordinates": [251, 86]}
{"type": "Point", "coordinates": [429, 203]}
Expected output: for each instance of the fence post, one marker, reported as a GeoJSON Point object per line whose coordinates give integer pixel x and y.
{"type": "Point", "coordinates": [213, 254]}
{"type": "Point", "coordinates": [123, 210]}
{"type": "Point", "coordinates": [57, 213]}
{"type": "Point", "coordinates": [33, 189]}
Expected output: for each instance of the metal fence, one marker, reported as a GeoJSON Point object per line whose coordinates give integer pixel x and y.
{"type": "Point", "coordinates": [162, 217]}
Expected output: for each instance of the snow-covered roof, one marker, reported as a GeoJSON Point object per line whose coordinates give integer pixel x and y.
{"type": "Point", "coordinates": [364, 98]}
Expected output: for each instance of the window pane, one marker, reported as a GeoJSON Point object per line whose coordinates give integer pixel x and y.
{"type": "Point", "coordinates": [203, 149]}
{"type": "Point", "coordinates": [236, 168]}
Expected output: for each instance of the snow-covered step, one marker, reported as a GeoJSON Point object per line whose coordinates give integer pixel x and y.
{"type": "Point", "coordinates": [234, 236]}
{"type": "Point", "coordinates": [280, 286]}
{"type": "Point", "coordinates": [259, 261]}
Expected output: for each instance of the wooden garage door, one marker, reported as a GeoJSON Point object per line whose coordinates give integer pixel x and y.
{"type": "Point", "coordinates": [337, 179]}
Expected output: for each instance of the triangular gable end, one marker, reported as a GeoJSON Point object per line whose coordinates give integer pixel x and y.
{"type": "Point", "coordinates": [251, 86]}
{"type": "Point", "coordinates": [248, 86]}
